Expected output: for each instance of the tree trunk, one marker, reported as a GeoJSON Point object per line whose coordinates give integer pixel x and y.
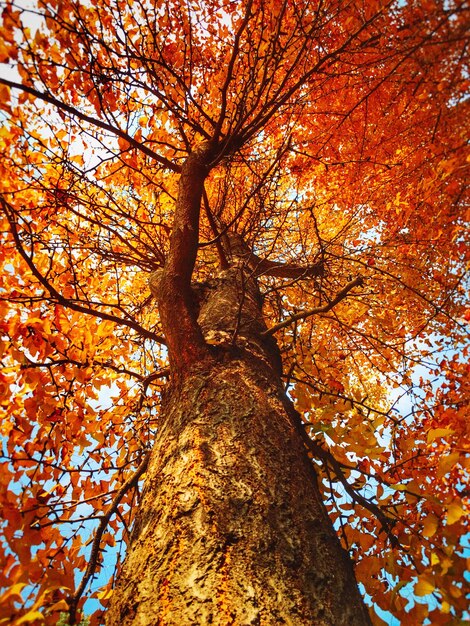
{"type": "Point", "coordinates": [231, 527]}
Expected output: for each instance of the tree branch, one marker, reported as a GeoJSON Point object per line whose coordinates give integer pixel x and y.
{"type": "Point", "coordinates": [95, 548]}
{"type": "Point", "coordinates": [327, 457]}
{"type": "Point", "coordinates": [237, 247]}
{"type": "Point", "coordinates": [284, 270]}
{"type": "Point", "coordinates": [231, 64]}
{"type": "Point", "coordinates": [185, 341]}
{"type": "Point", "coordinates": [217, 236]}
{"type": "Point", "coordinates": [56, 296]}
{"type": "Point", "coordinates": [95, 122]}
{"type": "Point", "coordinates": [356, 282]}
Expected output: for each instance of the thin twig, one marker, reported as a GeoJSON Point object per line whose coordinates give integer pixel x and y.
{"type": "Point", "coordinates": [104, 520]}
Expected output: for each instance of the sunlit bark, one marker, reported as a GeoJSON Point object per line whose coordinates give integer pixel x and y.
{"type": "Point", "coordinates": [232, 528]}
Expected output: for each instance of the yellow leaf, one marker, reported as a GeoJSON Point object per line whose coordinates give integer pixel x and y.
{"type": "Point", "coordinates": [105, 594]}
{"type": "Point", "coordinates": [445, 607]}
{"type": "Point", "coordinates": [99, 437]}
{"type": "Point", "coordinates": [31, 616]}
{"type": "Point", "coordinates": [77, 158]}
{"type": "Point", "coordinates": [424, 586]}
{"type": "Point", "coordinates": [430, 525]}
{"type": "Point", "coordinates": [454, 513]}
{"type": "Point", "coordinates": [435, 433]}
{"type": "Point", "coordinates": [446, 463]}
{"type": "Point", "coordinates": [15, 590]}
{"type": "Point", "coordinates": [83, 442]}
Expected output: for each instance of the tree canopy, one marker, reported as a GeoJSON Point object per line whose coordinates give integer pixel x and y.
{"type": "Point", "coordinates": [337, 134]}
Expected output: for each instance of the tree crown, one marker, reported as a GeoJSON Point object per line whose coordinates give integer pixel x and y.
{"type": "Point", "coordinates": [330, 145]}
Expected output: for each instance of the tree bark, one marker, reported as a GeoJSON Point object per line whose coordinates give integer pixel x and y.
{"type": "Point", "coordinates": [231, 527]}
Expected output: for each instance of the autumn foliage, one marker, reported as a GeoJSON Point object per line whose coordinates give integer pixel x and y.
{"type": "Point", "coordinates": [338, 135]}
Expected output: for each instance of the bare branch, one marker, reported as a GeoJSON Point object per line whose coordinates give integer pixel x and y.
{"type": "Point", "coordinates": [285, 270]}
{"type": "Point", "coordinates": [356, 282]}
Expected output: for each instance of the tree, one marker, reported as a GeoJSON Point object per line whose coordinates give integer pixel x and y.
{"type": "Point", "coordinates": [233, 255]}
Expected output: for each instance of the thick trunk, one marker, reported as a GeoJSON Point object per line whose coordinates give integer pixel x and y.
{"type": "Point", "coordinates": [231, 527]}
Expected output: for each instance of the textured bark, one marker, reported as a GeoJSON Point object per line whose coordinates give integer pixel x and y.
{"type": "Point", "coordinates": [231, 528]}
